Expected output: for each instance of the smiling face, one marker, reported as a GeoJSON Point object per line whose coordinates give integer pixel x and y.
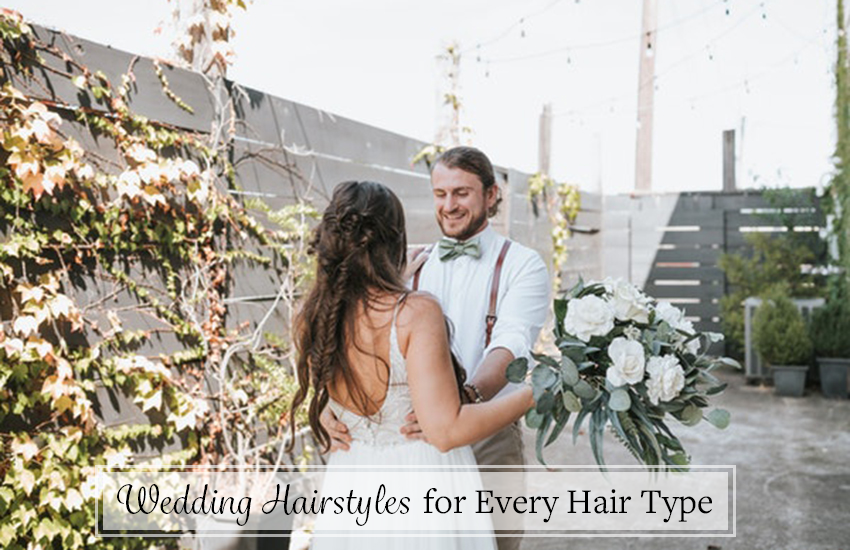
{"type": "Point", "coordinates": [460, 202]}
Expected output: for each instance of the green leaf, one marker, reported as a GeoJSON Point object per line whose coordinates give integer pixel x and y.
{"type": "Point", "coordinates": [543, 377]}
{"type": "Point", "coordinates": [541, 437]}
{"type": "Point", "coordinates": [517, 370]}
{"type": "Point", "coordinates": [571, 402]}
{"type": "Point", "coordinates": [569, 371]}
{"type": "Point", "coordinates": [584, 390]}
{"type": "Point", "coordinates": [545, 359]}
{"type": "Point", "coordinates": [563, 418]}
{"type": "Point", "coordinates": [716, 389]}
{"type": "Point", "coordinates": [533, 419]}
{"type": "Point", "coordinates": [680, 459]}
{"type": "Point", "coordinates": [560, 309]}
{"type": "Point", "coordinates": [577, 425]}
{"type": "Point", "coordinates": [597, 430]}
{"type": "Point", "coordinates": [719, 418]}
{"type": "Point", "coordinates": [545, 403]}
{"type": "Point", "coordinates": [729, 362]}
{"type": "Point", "coordinates": [691, 415]}
{"type": "Point", "coordinates": [619, 400]}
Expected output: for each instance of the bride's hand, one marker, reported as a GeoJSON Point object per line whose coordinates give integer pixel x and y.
{"type": "Point", "coordinates": [338, 432]}
{"type": "Point", "coordinates": [411, 430]}
{"type": "Point", "coordinates": [415, 259]}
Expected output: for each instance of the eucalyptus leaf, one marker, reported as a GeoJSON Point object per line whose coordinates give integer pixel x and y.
{"type": "Point", "coordinates": [691, 415]}
{"type": "Point", "coordinates": [577, 424]}
{"type": "Point", "coordinates": [545, 403]}
{"type": "Point", "coordinates": [533, 419]}
{"type": "Point", "coordinates": [619, 400]}
{"type": "Point", "coordinates": [680, 459]}
{"type": "Point", "coordinates": [517, 370]}
{"type": "Point", "coordinates": [569, 371]}
{"type": "Point", "coordinates": [543, 377]}
{"type": "Point", "coordinates": [571, 402]}
{"type": "Point", "coordinates": [584, 390]}
{"type": "Point", "coordinates": [562, 418]}
{"type": "Point", "coordinates": [716, 389]}
{"type": "Point", "coordinates": [560, 309]}
{"type": "Point", "coordinates": [719, 417]}
{"type": "Point", "coordinates": [729, 362]}
{"type": "Point", "coordinates": [545, 359]}
{"type": "Point", "coordinates": [541, 437]}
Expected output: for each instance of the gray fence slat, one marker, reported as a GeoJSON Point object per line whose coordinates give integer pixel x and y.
{"type": "Point", "coordinates": [709, 219]}
{"type": "Point", "coordinates": [704, 236]}
{"type": "Point", "coordinates": [702, 291]}
{"type": "Point", "coordinates": [705, 256]}
{"type": "Point", "coordinates": [146, 96]}
{"type": "Point", "coordinates": [737, 219]}
{"type": "Point", "coordinates": [737, 201]}
{"type": "Point", "coordinates": [686, 273]}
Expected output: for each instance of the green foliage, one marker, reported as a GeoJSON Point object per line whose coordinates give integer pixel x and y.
{"type": "Point", "coordinates": [574, 385]}
{"type": "Point", "coordinates": [773, 258]}
{"type": "Point", "coordinates": [830, 326]}
{"type": "Point", "coordinates": [779, 330]}
{"type": "Point", "coordinates": [157, 230]}
{"type": "Point", "coordinates": [561, 203]}
{"type": "Point", "coordinates": [837, 193]}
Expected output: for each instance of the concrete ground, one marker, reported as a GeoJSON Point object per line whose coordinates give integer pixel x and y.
{"type": "Point", "coordinates": [793, 472]}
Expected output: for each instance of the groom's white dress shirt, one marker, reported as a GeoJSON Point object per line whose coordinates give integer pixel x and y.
{"type": "Point", "coordinates": [462, 286]}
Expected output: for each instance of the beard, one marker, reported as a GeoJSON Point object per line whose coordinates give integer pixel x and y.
{"type": "Point", "coordinates": [466, 231]}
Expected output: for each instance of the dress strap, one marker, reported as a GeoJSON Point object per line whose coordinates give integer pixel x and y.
{"type": "Point", "coordinates": [395, 313]}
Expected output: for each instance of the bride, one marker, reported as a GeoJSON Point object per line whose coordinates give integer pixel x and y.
{"type": "Point", "coordinates": [372, 351]}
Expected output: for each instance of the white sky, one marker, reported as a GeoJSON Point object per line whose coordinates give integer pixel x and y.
{"type": "Point", "coordinates": [765, 69]}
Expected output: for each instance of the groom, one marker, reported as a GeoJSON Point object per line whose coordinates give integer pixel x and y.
{"type": "Point", "coordinates": [494, 291]}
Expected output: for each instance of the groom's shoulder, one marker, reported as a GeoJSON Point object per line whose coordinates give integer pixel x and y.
{"type": "Point", "coordinates": [524, 255]}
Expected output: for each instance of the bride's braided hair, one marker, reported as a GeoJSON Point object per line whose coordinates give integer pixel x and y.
{"type": "Point", "coordinates": [361, 251]}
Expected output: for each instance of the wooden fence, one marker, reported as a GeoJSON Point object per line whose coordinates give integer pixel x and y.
{"type": "Point", "coordinates": [282, 150]}
{"type": "Point", "coordinates": [670, 243]}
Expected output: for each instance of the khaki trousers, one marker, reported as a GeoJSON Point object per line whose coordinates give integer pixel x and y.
{"type": "Point", "coordinates": [504, 448]}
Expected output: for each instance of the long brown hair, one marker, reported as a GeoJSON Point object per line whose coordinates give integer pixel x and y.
{"type": "Point", "coordinates": [361, 251]}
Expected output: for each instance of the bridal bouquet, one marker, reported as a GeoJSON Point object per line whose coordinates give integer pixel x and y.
{"type": "Point", "coordinates": [626, 361]}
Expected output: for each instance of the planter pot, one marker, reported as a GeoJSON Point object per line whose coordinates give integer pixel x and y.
{"type": "Point", "coordinates": [833, 376]}
{"type": "Point", "coordinates": [789, 380]}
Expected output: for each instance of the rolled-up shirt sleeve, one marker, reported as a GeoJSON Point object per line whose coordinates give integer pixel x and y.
{"type": "Point", "coordinates": [522, 309]}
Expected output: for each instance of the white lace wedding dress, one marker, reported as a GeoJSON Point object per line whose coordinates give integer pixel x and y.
{"type": "Point", "coordinates": [377, 441]}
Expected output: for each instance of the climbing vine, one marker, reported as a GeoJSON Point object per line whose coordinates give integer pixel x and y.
{"type": "Point", "coordinates": [141, 232]}
{"type": "Point", "coordinates": [561, 202]}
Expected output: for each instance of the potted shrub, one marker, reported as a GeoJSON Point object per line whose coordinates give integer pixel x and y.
{"type": "Point", "coordinates": [830, 333]}
{"type": "Point", "coordinates": [782, 340]}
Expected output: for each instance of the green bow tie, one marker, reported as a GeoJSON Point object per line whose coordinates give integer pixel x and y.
{"type": "Point", "coordinates": [450, 249]}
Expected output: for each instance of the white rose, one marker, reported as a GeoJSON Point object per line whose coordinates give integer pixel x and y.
{"type": "Point", "coordinates": [588, 316]}
{"type": "Point", "coordinates": [693, 345]}
{"type": "Point", "coordinates": [666, 378]}
{"type": "Point", "coordinates": [630, 304]}
{"type": "Point", "coordinates": [627, 362]}
{"type": "Point", "coordinates": [666, 311]}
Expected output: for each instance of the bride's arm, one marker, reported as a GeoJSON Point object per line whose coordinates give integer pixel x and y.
{"type": "Point", "coordinates": [445, 422]}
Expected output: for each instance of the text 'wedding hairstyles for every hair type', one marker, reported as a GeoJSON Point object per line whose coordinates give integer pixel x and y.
{"type": "Point", "coordinates": [361, 251]}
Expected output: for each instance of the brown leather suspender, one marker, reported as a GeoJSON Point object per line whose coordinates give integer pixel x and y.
{"type": "Point", "coordinates": [494, 292]}
{"type": "Point", "coordinates": [494, 289]}
{"type": "Point", "coordinates": [419, 271]}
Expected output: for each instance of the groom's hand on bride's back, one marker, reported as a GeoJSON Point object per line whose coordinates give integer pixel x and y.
{"type": "Point", "coordinates": [340, 438]}
{"type": "Point", "coordinates": [411, 430]}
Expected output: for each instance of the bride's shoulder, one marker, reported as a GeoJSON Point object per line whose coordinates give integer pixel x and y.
{"type": "Point", "coordinates": [420, 303]}
{"type": "Point", "coordinates": [419, 309]}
